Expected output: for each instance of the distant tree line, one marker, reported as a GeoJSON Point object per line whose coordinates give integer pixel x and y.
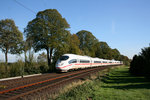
{"type": "Point", "coordinates": [49, 31]}
{"type": "Point", "coordinates": [140, 65]}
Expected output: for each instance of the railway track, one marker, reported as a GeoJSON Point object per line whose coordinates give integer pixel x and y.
{"type": "Point", "coordinates": [9, 84]}
{"type": "Point", "coordinates": [39, 84]}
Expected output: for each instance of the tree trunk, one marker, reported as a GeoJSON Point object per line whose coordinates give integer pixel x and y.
{"type": "Point", "coordinates": [25, 54]}
{"type": "Point", "coordinates": [6, 59]}
{"type": "Point", "coordinates": [48, 58]}
{"type": "Point", "coordinates": [51, 51]}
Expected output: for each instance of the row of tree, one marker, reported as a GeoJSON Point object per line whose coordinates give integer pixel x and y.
{"type": "Point", "coordinates": [49, 31]}
{"type": "Point", "coordinates": [140, 65]}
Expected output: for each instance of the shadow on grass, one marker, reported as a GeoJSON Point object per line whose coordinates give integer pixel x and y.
{"type": "Point", "coordinates": [131, 86]}
{"type": "Point", "coordinates": [125, 81]}
{"type": "Point", "coordinates": [120, 79]}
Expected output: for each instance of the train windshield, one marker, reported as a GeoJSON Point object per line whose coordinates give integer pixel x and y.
{"type": "Point", "coordinates": [63, 58]}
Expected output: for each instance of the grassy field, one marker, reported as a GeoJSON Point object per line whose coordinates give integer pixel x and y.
{"type": "Point", "coordinates": [118, 84]}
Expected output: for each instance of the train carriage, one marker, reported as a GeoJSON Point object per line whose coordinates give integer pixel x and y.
{"type": "Point", "coordinates": [71, 61]}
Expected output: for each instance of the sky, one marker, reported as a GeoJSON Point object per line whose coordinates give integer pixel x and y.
{"type": "Point", "coordinates": [123, 24]}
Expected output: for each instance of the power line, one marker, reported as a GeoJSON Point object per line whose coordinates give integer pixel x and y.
{"type": "Point", "coordinates": [24, 6]}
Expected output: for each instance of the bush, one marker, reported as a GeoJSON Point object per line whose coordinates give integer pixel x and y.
{"type": "Point", "coordinates": [21, 68]}
{"type": "Point", "coordinates": [43, 67]}
{"type": "Point", "coordinates": [14, 70]}
{"type": "Point", "coordinates": [2, 71]}
{"type": "Point", "coordinates": [140, 65]}
{"type": "Point", "coordinates": [31, 68]}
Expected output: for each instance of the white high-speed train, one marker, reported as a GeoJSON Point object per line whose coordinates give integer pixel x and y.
{"type": "Point", "coordinates": [71, 61]}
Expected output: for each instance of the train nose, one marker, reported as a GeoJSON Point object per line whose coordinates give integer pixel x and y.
{"type": "Point", "coordinates": [59, 64]}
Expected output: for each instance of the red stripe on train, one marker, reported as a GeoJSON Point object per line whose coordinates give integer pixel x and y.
{"type": "Point", "coordinates": [65, 66]}
{"type": "Point", "coordinates": [85, 64]}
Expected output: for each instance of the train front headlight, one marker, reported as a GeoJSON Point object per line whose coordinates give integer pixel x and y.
{"type": "Point", "coordinates": [61, 64]}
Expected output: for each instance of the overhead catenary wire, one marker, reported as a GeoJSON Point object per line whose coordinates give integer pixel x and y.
{"type": "Point", "coordinates": [24, 6]}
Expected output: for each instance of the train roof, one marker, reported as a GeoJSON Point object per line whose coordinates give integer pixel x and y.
{"type": "Point", "coordinates": [87, 57]}
{"type": "Point", "coordinates": [78, 56]}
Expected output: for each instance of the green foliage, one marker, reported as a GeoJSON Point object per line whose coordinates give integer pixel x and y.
{"type": "Point", "coordinates": [48, 31]}
{"type": "Point", "coordinates": [125, 60]}
{"type": "Point", "coordinates": [2, 71]}
{"type": "Point", "coordinates": [140, 65]}
{"type": "Point", "coordinates": [42, 61]}
{"type": "Point", "coordinates": [31, 68]}
{"type": "Point", "coordinates": [74, 44]}
{"type": "Point", "coordinates": [103, 50]}
{"type": "Point", "coordinates": [115, 54]}
{"type": "Point", "coordinates": [87, 42]}
{"type": "Point", "coordinates": [15, 70]}
{"type": "Point", "coordinates": [10, 37]}
{"type": "Point", "coordinates": [21, 68]}
{"type": "Point", "coordinates": [43, 67]}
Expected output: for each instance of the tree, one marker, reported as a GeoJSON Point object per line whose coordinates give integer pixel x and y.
{"type": "Point", "coordinates": [140, 65]}
{"type": "Point", "coordinates": [48, 31]}
{"type": "Point", "coordinates": [146, 59]}
{"type": "Point", "coordinates": [42, 58]}
{"type": "Point", "coordinates": [125, 60]}
{"type": "Point", "coordinates": [87, 42]}
{"type": "Point", "coordinates": [10, 38]}
{"type": "Point", "coordinates": [74, 44]}
{"type": "Point", "coordinates": [115, 54]}
{"type": "Point", "coordinates": [136, 65]}
{"type": "Point", "coordinates": [98, 52]}
{"type": "Point", "coordinates": [27, 47]}
{"type": "Point", "coordinates": [105, 50]}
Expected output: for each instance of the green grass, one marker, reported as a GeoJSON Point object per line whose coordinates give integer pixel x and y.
{"type": "Point", "coordinates": [118, 84]}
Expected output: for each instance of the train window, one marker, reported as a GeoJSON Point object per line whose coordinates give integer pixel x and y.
{"type": "Point", "coordinates": [104, 61]}
{"type": "Point", "coordinates": [97, 61]}
{"type": "Point", "coordinates": [84, 61]}
{"type": "Point", "coordinates": [72, 61]}
{"type": "Point", "coordinates": [64, 57]}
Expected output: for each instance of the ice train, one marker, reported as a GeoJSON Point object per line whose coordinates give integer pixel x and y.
{"type": "Point", "coordinates": [71, 62]}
